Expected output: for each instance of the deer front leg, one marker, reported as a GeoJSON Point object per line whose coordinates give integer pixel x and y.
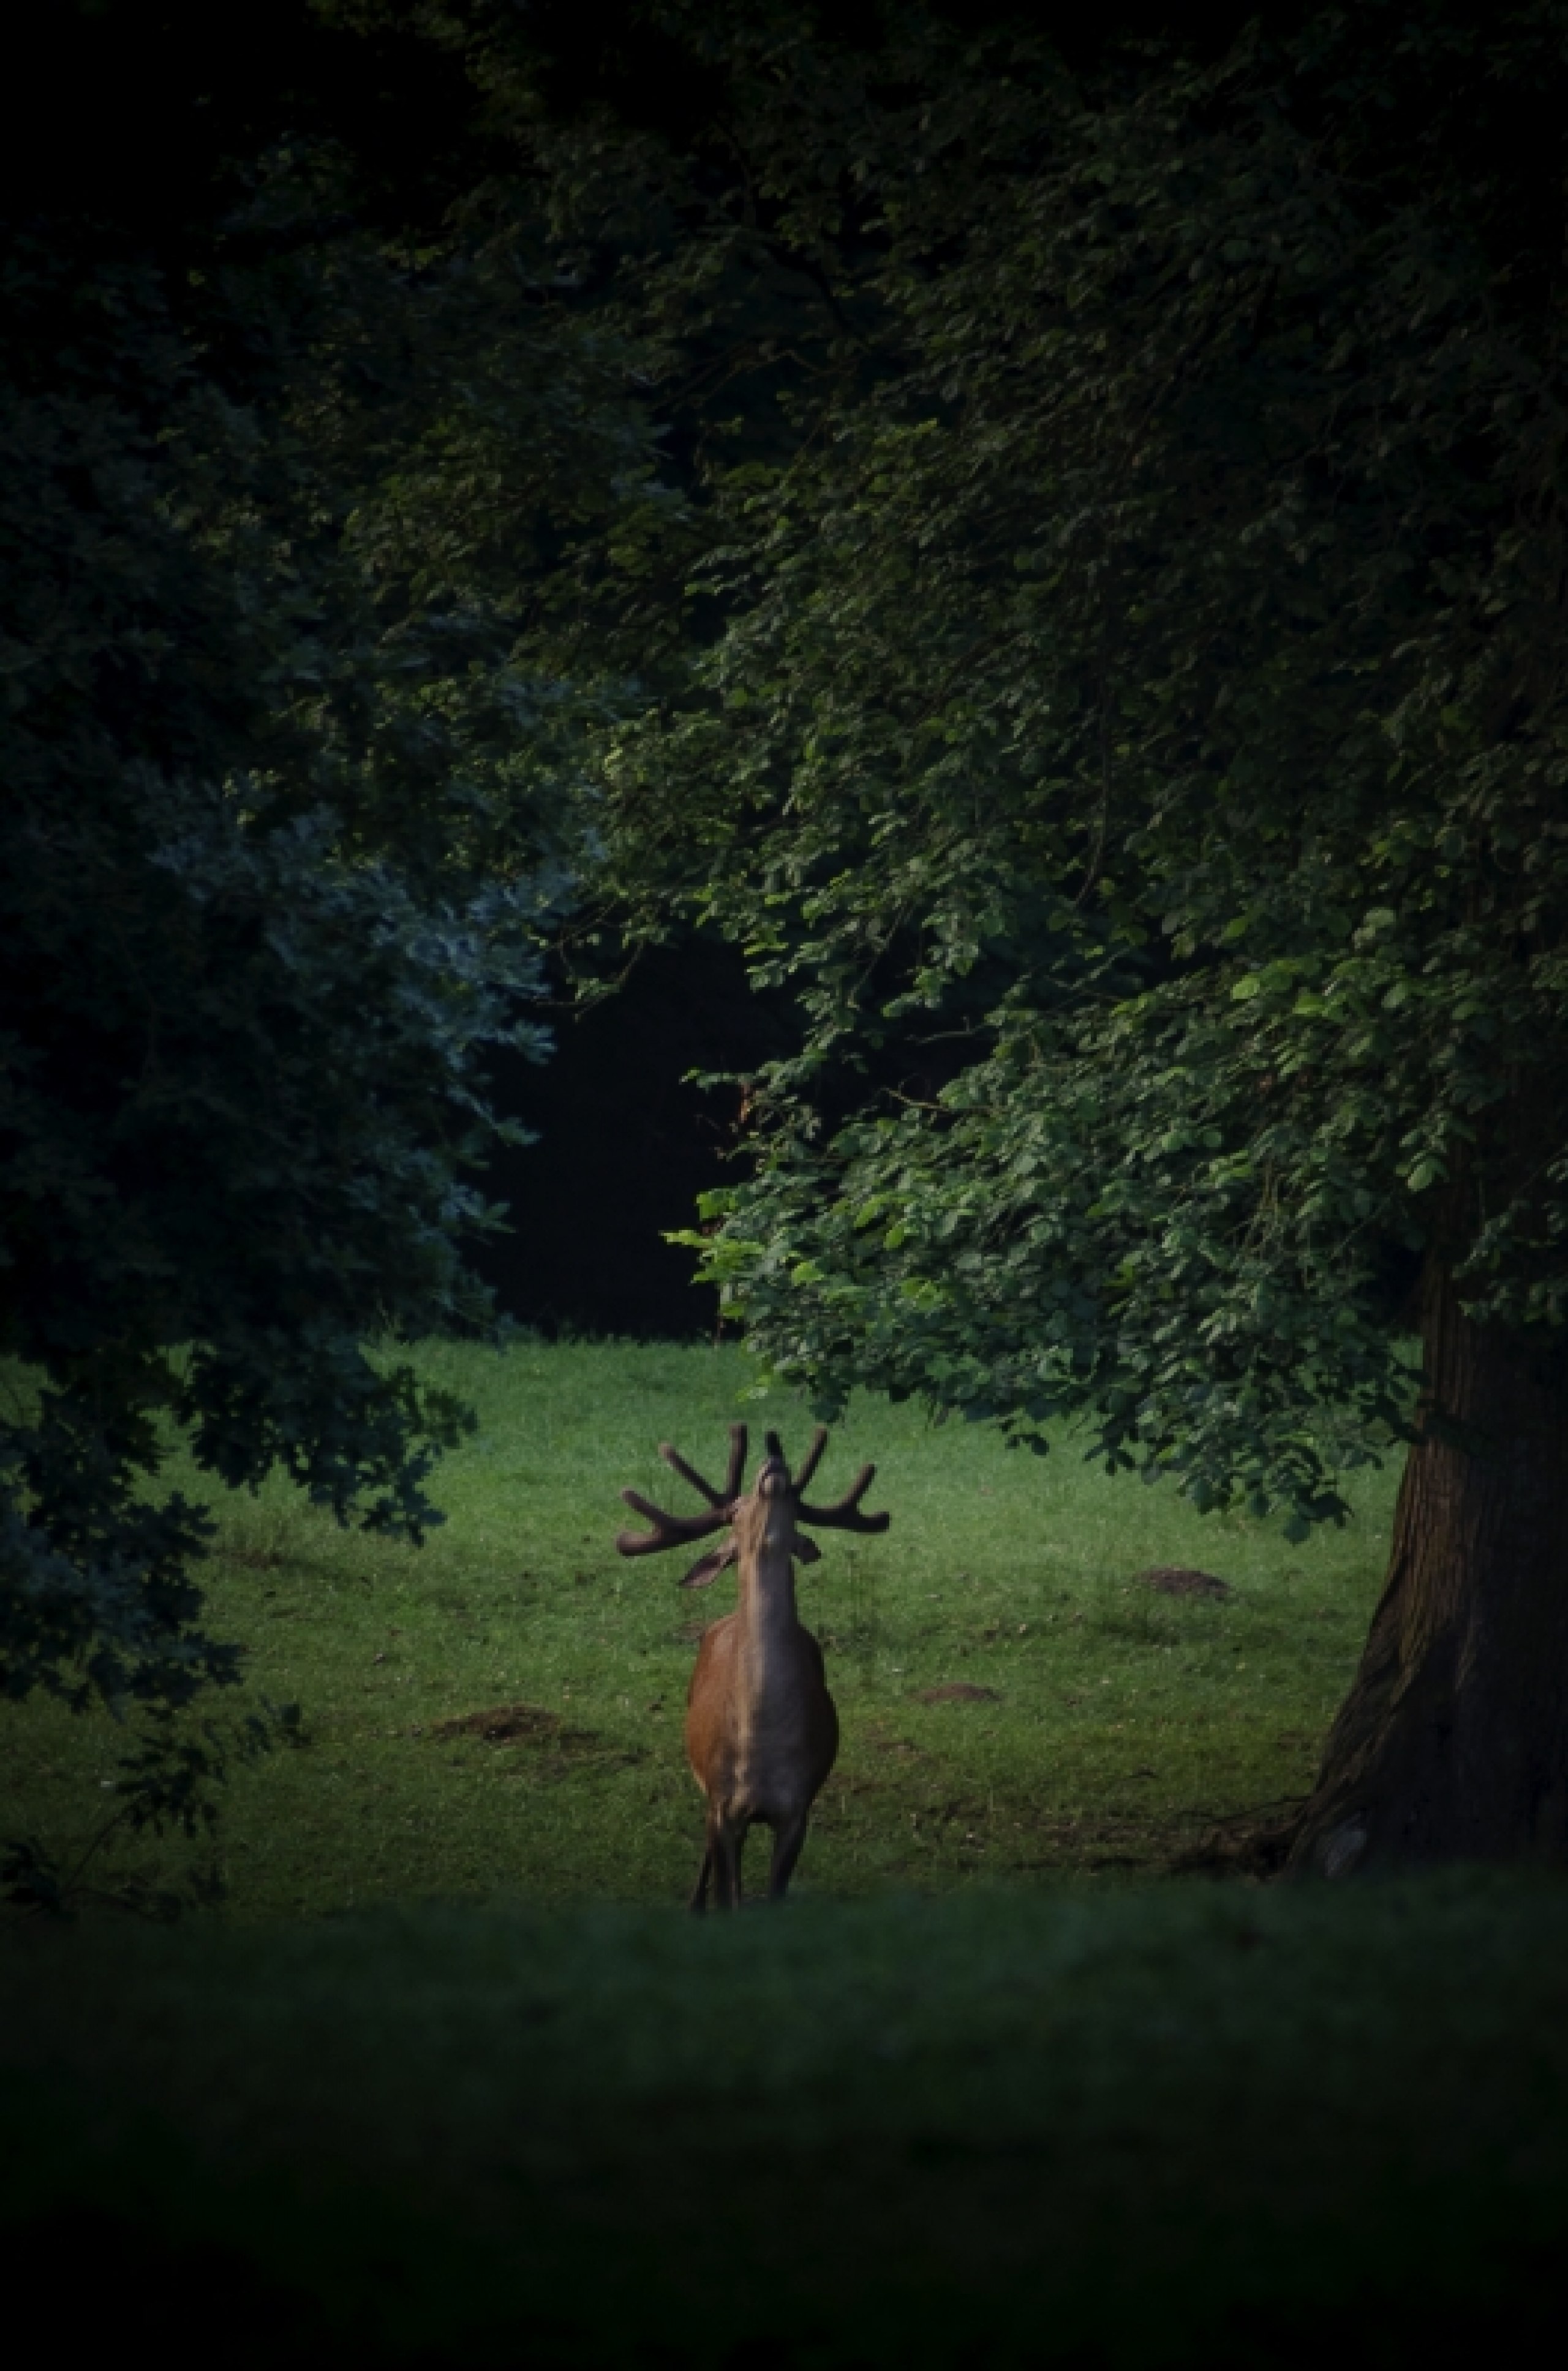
{"type": "Point", "coordinates": [788, 1838]}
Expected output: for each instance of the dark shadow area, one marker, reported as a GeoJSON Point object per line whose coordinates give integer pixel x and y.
{"type": "Point", "coordinates": [145, 2285]}
{"type": "Point", "coordinates": [626, 1144]}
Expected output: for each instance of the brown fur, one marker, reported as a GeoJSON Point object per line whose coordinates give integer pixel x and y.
{"type": "Point", "coordinates": [761, 1731]}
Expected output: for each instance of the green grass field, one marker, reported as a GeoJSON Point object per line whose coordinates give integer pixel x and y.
{"type": "Point", "coordinates": [450, 2076]}
{"type": "Point", "coordinates": [1121, 1724]}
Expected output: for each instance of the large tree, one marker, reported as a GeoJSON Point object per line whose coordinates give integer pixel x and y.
{"type": "Point", "coordinates": [1131, 716]}
{"type": "Point", "coordinates": [293, 466]}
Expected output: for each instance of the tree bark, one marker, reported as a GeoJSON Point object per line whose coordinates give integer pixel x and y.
{"type": "Point", "coordinates": [1452, 1744]}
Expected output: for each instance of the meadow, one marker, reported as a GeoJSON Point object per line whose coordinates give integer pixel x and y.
{"type": "Point", "coordinates": [447, 2075]}
{"type": "Point", "coordinates": [1111, 1727]}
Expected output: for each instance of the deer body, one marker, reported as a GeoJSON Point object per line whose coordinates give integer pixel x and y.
{"type": "Point", "coordinates": [762, 1733]}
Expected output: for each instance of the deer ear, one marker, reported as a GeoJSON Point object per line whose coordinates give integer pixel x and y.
{"type": "Point", "coordinates": [805, 1551]}
{"type": "Point", "coordinates": [708, 1567]}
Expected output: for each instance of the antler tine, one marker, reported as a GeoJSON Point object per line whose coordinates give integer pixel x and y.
{"type": "Point", "coordinates": [844, 1514]}
{"type": "Point", "coordinates": [689, 1474]}
{"type": "Point", "coordinates": [669, 1531]}
{"type": "Point", "coordinates": [675, 1530]}
{"type": "Point", "coordinates": [812, 1458]}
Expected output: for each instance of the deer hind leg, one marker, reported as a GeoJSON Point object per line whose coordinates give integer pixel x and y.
{"type": "Point", "coordinates": [698, 1905]}
{"type": "Point", "coordinates": [788, 1838]}
{"type": "Point", "coordinates": [726, 1837]}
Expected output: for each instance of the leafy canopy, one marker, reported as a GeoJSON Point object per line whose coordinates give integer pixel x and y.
{"type": "Point", "coordinates": [287, 746]}
{"type": "Point", "coordinates": [1134, 727]}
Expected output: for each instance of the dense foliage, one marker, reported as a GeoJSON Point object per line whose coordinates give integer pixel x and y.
{"type": "Point", "coordinates": [1134, 726]}
{"type": "Point", "coordinates": [285, 817]}
{"type": "Point", "coordinates": [1054, 553]}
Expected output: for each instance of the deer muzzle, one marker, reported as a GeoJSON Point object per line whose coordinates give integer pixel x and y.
{"type": "Point", "coordinates": [773, 1479]}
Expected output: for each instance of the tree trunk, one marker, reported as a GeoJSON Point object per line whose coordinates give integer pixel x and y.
{"type": "Point", "coordinates": [1452, 1744]}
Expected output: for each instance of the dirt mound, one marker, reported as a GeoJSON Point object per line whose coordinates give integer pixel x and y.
{"type": "Point", "coordinates": [527, 1724]}
{"type": "Point", "coordinates": [513, 1724]}
{"type": "Point", "coordinates": [960, 1692]}
{"type": "Point", "coordinates": [1180, 1581]}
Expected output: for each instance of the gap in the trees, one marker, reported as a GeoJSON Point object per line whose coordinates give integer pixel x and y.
{"type": "Point", "coordinates": [625, 1145]}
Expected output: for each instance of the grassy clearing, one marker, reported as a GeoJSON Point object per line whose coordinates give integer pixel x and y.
{"type": "Point", "coordinates": [1057, 2117]}
{"type": "Point", "coordinates": [1190, 2124]}
{"type": "Point", "coordinates": [1123, 1723]}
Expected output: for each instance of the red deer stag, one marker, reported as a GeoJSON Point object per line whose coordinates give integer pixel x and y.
{"type": "Point", "coordinates": [761, 1731]}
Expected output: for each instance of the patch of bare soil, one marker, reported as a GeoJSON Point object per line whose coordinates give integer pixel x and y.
{"type": "Point", "coordinates": [535, 1724]}
{"type": "Point", "coordinates": [960, 1692]}
{"type": "Point", "coordinates": [513, 1724]}
{"type": "Point", "coordinates": [1181, 1580]}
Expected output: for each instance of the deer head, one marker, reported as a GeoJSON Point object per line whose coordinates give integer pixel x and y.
{"type": "Point", "coordinates": [769, 1515]}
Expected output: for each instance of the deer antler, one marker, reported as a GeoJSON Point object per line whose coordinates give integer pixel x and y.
{"type": "Point", "coordinates": [669, 1531]}
{"type": "Point", "coordinates": [844, 1514]}
{"type": "Point", "coordinates": [677, 1530]}
{"type": "Point", "coordinates": [809, 1463]}
{"type": "Point", "coordinates": [811, 1460]}
{"type": "Point", "coordinates": [733, 1479]}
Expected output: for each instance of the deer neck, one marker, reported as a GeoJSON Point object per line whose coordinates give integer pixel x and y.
{"type": "Point", "coordinates": [766, 1598]}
